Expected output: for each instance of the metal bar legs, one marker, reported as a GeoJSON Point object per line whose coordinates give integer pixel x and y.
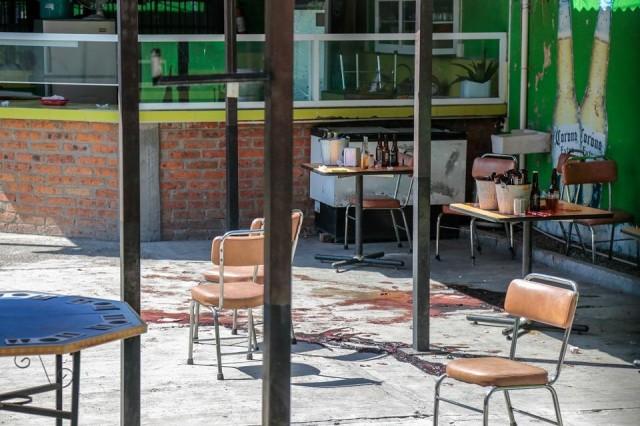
{"type": "Point", "coordinates": [218, 350]}
{"type": "Point", "coordinates": [59, 387]}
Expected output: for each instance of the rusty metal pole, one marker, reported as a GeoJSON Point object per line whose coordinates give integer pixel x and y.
{"type": "Point", "coordinates": [422, 175]}
{"type": "Point", "coordinates": [129, 153]}
{"type": "Point", "coordinates": [278, 196]}
{"type": "Point", "coordinates": [231, 104]}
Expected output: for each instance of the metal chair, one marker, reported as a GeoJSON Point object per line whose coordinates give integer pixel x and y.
{"type": "Point", "coordinates": [237, 249]}
{"type": "Point", "coordinates": [392, 204]}
{"type": "Point", "coordinates": [576, 174]}
{"type": "Point", "coordinates": [246, 273]}
{"type": "Point", "coordinates": [546, 299]}
{"type": "Point", "coordinates": [482, 167]}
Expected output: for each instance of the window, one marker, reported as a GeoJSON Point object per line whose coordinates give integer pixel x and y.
{"type": "Point", "coordinates": [399, 16]}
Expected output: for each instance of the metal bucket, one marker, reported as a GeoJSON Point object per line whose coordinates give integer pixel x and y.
{"type": "Point", "coordinates": [507, 193]}
{"type": "Point", "coordinates": [332, 151]}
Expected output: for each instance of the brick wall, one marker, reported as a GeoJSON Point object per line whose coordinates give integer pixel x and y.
{"type": "Point", "coordinates": [192, 176]}
{"type": "Point", "coordinates": [59, 178]}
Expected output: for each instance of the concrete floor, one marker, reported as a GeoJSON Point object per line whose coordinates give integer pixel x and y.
{"type": "Point", "coordinates": [350, 366]}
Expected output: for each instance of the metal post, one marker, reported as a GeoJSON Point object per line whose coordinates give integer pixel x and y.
{"type": "Point", "coordinates": [129, 153]}
{"type": "Point", "coordinates": [359, 202]}
{"type": "Point", "coordinates": [75, 388]}
{"type": "Point", "coordinates": [278, 172]}
{"type": "Point", "coordinates": [422, 175]}
{"type": "Point", "coordinates": [231, 65]}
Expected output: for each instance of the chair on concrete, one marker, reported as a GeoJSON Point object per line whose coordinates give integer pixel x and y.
{"type": "Point", "coordinates": [540, 298]}
{"type": "Point", "coordinates": [243, 274]}
{"type": "Point", "coordinates": [234, 249]}
{"type": "Point", "coordinates": [381, 202]}
{"type": "Point", "coordinates": [482, 167]}
{"type": "Point", "coordinates": [577, 174]}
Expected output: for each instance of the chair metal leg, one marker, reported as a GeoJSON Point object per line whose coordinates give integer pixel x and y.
{"type": "Point", "coordinates": [406, 229]}
{"type": "Point", "coordinates": [436, 399]}
{"type": "Point", "coordinates": [593, 244]}
{"type": "Point", "coordinates": [507, 399]}
{"type": "Point", "coordinates": [216, 324]}
{"type": "Point", "coordinates": [613, 231]}
{"type": "Point", "coordinates": [568, 235]}
{"type": "Point", "coordinates": [438, 235]}
{"type": "Point", "coordinates": [556, 404]}
{"type": "Point", "coordinates": [346, 227]}
{"type": "Point", "coordinates": [197, 324]}
{"type": "Point", "coordinates": [191, 331]}
{"type": "Point", "coordinates": [293, 335]}
{"type": "Point", "coordinates": [584, 249]}
{"type": "Point", "coordinates": [472, 232]}
{"type": "Point", "coordinates": [234, 324]}
{"type": "Point", "coordinates": [485, 408]}
{"type": "Point", "coordinates": [255, 336]}
{"type": "Point", "coordinates": [508, 229]}
{"type": "Point", "coordinates": [250, 337]}
{"type": "Point", "coordinates": [395, 227]}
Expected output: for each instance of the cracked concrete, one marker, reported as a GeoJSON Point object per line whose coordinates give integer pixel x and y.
{"type": "Point", "coordinates": [350, 366]}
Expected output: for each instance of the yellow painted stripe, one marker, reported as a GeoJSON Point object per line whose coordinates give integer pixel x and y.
{"type": "Point", "coordinates": [300, 114]}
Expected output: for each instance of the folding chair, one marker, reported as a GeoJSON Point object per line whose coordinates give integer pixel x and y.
{"type": "Point", "coordinates": [392, 204]}
{"type": "Point", "coordinates": [542, 298]}
{"type": "Point", "coordinates": [575, 175]}
{"type": "Point", "coordinates": [246, 273]}
{"type": "Point", "coordinates": [238, 249]}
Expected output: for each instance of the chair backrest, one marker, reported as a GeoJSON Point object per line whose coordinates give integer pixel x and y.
{"type": "Point", "coordinates": [545, 299]}
{"type": "Point", "coordinates": [238, 248]}
{"type": "Point", "coordinates": [492, 163]}
{"type": "Point", "coordinates": [585, 172]}
{"type": "Point", "coordinates": [297, 219]}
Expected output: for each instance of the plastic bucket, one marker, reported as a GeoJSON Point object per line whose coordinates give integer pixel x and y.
{"type": "Point", "coordinates": [55, 9]}
{"type": "Point", "coordinates": [507, 193]}
{"type": "Point", "coordinates": [487, 194]}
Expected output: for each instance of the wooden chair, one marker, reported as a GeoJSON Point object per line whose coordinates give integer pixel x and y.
{"type": "Point", "coordinates": [234, 249]}
{"type": "Point", "coordinates": [542, 298]}
{"type": "Point", "coordinates": [576, 174]}
{"type": "Point", "coordinates": [482, 167]}
{"type": "Point", "coordinates": [392, 204]}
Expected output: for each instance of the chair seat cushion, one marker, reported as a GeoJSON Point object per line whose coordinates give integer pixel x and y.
{"type": "Point", "coordinates": [493, 371]}
{"type": "Point", "coordinates": [447, 210]}
{"type": "Point", "coordinates": [618, 217]}
{"type": "Point", "coordinates": [377, 202]}
{"type": "Point", "coordinates": [238, 295]}
{"type": "Point", "coordinates": [234, 274]}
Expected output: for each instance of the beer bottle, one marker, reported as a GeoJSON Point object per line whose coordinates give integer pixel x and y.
{"type": "Point", "coordinates": [385, 152]}
{"type": "Point", "coordinates": [393, 154]}
{"type": "Point", "coordinates": [593, 113]}
{"type": "Point", "coordinates": [535, 194]}
{"type": "Point", "coordinates": [566, 127]}
{"type": "Point", "coordinates": [379, 150]}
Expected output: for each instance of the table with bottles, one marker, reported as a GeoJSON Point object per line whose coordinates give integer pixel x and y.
{"type": "Point", "coordinates": [359, 258]}
{"type": "Point", "coordinates": [563, 211]}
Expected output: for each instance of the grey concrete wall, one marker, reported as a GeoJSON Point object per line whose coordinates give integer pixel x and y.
{"type": "Point", "coordinates": [150, 220]}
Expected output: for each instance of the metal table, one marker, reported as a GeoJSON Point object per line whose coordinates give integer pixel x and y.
{"type": "Point", "coordinates": [35, 324]}
{"type": "Point", "coordinates": [359, 258]}
{"type": "Point", "coordinates": [564, 211]}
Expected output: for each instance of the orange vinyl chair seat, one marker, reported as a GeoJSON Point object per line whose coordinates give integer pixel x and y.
{"type": "Point", "coordinates": [492, 371]}
{"type": "Point", "coordinates": [378, 202]}
{"type": "Point", "coordinates": [234, 274]}
{"type": "Point", "coordinates": [237, 295]}
{"type": "Point", "coordinates": [618, 217]}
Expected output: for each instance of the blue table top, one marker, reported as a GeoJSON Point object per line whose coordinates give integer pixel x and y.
{"type": "Point", "coordinates": [33, 323]}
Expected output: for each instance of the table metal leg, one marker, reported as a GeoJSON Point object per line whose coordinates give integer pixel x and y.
{"type": "Point", "coordinates": [59, 372]}
{"type": "Point", "coordinates": [75, 389]}
{"type": "Point", "coordinates": [360, 201]}
{"type": "Point", "coordinates": [527, 246]}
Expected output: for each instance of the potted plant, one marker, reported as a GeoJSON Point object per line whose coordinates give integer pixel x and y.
{"type": "Point", "coordinates": [476, 82]}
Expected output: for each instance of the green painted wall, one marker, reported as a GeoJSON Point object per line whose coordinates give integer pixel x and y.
{"type": "Point", "coordinates": [623, 89]}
